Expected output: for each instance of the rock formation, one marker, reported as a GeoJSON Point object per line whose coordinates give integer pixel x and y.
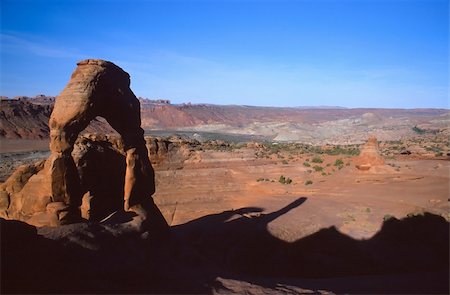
{"type": "Point", "coordinates": [369, 155]}
{"type": "Point", "coordinates": [54, 195]}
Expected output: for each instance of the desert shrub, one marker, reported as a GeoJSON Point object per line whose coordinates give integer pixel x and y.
{"type": "Point", "coordinates": [317, 168]}
{"type": "Point", "coordinates": [306, 164]}
{"type": "Point", "coordinates": [284, 162]}
{"type": "Point", "coordinates": [338, 162]}
{"type": "Point", "coordinates": [317, 160]}
{"type": "Point", "coordinates": [435, 149]}
{"type": "Point", "coordinates": [338, 150]}
{"type": "Point", "coordinates": [308, 182]}
{"type": "Point", "coordinates": [285, 180]}
{"type": "Point", "coordinates": [324, 174]}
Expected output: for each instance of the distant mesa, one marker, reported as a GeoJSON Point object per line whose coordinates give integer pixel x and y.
{"type": "Point", "coordinates": [154, 101]}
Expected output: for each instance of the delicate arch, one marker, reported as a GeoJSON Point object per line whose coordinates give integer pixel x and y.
{"type": "Point", "coordinates": [99, 88]}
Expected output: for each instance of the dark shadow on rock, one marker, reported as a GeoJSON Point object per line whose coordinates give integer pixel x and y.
{"type": "Point", "coordinates": [405, 256]}
{"type": "Point", "coordinates": [102, 173]}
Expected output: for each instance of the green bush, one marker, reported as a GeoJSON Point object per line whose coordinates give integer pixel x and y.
{"type": "Point", "coordinates": [308, 182]}
{"type": "Point", "coordinates": [317, 168]}
{"type": "Point", "coordinates": [306, 164]}
{"type": "Point", "coordinates": [338, 162]}
{"type": "Point", "coordinates": [317, 160]}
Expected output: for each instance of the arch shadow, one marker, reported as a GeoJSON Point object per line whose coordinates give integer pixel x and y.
{"type": "Point", "coordinates": [233, 247]}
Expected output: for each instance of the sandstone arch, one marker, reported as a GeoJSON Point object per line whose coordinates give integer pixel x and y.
{"type": "Point", "coordinates": [53, 195]}
{"type": "Point", "coordinates": [98, 88]}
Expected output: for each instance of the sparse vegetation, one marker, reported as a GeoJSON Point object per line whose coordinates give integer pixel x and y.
{"type": "Point", "coordinates": [351, 217]}
{"type": "Point", "coordinates": [306, 164]}
{"type": "Point", "coordinates": [263, 179]}
{"type": "Point", "coordinates": [308, 182]}
{"type": "Point", "coordinates": [338, 162]}
{"type": "Point", "coordinates": [318, 168]}
{"type": "Point", "coordinates": [285, 180]}
{"type": "Point", "coordinates": [418, 130]}
{"type": "Point", "coordinates": [317, 160]}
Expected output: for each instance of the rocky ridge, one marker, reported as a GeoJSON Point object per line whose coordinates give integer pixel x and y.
{"type": "Point", "coordinates": [314, 126]}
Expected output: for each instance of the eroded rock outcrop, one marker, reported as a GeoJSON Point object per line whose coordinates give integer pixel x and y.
{"type": "Point", "coordinates": [370, 155]}
{"type": "Point", "coordinates": [54, 195]}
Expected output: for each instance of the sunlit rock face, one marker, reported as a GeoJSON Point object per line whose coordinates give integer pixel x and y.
{"type": "Point", "coordinates": [369, 155]}
{"type": "Point", "coordinates": [54, 194]}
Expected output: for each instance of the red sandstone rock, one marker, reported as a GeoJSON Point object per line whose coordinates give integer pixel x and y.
{"type": "Point", "coordinates": [96, 88]}
{"type": "Point", "coordinates": [369, 155]}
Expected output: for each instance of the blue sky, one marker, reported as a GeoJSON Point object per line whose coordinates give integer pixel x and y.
{"type": "Point", "coordinates": [276, 53]}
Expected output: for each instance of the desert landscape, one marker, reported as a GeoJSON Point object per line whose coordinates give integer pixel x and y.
{"type": "Point", "coordinates": [331, 210]}
{"type": "Point", "coordinates": [224, 147]}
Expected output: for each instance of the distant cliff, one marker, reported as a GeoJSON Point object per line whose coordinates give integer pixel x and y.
{"type": "Point", "coordinates": [24, 117]}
